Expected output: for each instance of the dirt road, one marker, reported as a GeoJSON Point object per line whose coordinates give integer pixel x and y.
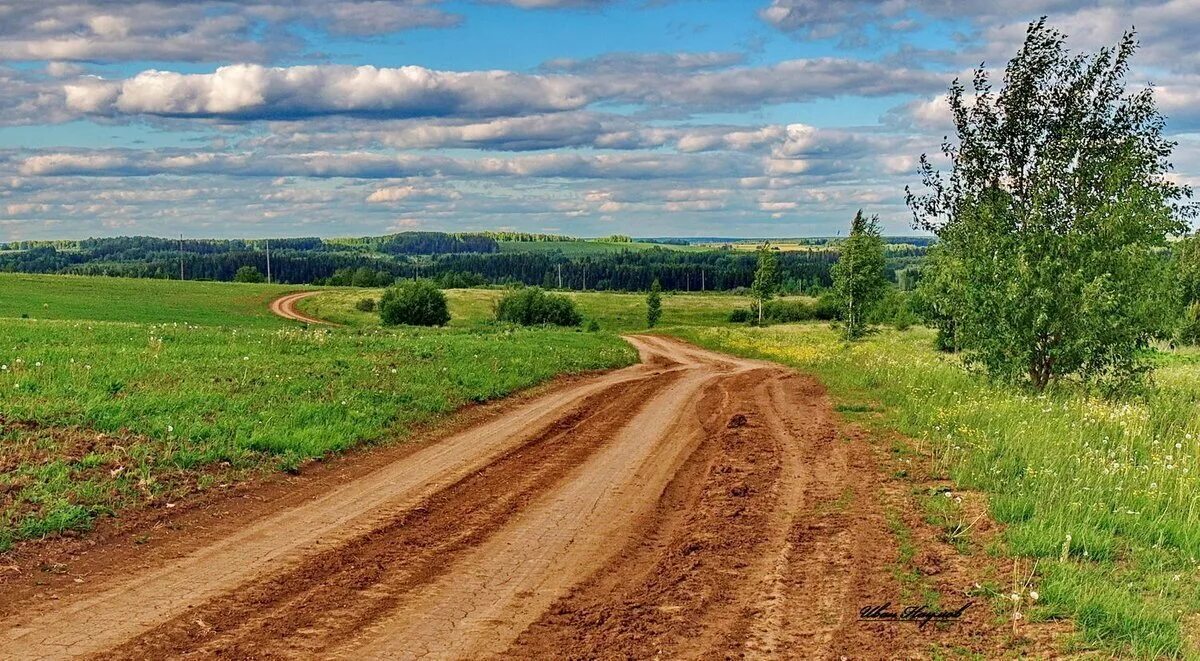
{"type": "Point", "coordinates": [285, 306]}
{"type": "Point", "coordinates": [693, 506]}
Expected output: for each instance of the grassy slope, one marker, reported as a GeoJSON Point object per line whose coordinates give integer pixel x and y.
{"type": "Point", "coordinates": [102, 414]}
{"type": "Point", "coordinates": [474, 308]}
{"type": "Point", "coordinates": [1121, 479]}
{"type": "Point", "coordinates": [138, 300]}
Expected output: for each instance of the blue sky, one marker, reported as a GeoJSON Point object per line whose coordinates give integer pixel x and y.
{"type": "Point", "coordinates": [588, 117]}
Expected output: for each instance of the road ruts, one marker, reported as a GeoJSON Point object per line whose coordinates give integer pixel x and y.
{"type": "Point", "coordinates": [693, 506]}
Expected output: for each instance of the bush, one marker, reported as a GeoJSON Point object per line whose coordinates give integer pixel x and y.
{"type": "Point", "coordinates": [365, 305]}
{"type": "Point", "coordinates": [248, 274]}
{"type": "Point", "coordinates": [739, 316]}
{"type": "Point", "coordinates": [787, 312]}
{"type": "Point", "coordinates": [827, 307]}
{"type": "Point", "coordinates": [414, 302]}
{"type": "Point", "coordinates": [1189, 329]}
{"type": "Point", "coordinates": [593, 326]}
{"type": "Point", "coordinates": [531, 306]}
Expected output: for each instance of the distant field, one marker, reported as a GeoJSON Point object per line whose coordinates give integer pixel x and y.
{"type": "Point", "coordinates": [475, 307]}
{"type": "Point", "coordinates": [138, 300]}
{"type": "Point", "coordinates": [98, 415]}
{"type": "Point", "coordinates": [575, 248]}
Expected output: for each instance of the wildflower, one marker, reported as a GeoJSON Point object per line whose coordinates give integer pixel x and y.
{"type": "Point", "coordinates": [1033, 595]}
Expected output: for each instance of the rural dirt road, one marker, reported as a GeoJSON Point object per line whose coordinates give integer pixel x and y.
{"type": "Point", "coordinates": [692, 506]}
{"type": "Point", "coordinates": [285, 306]}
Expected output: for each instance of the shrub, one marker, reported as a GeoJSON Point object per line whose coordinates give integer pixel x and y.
{"type": "Point", "coordinates": [787, 312]}
{"type": "Point", "coordinates": [531, 306]}
{"type": "Point", "coordinates": [1189, 329]}
{"type": "Point", "coordinates": [739, 316]}
{"type": "Point", "coordinates": [365, 305]}
{"type": "Point", "coordinates": [593, 326]}
{"type": "Point", "coordinates": [414, 302]}
{"type": "Point", "coordinates": [827, 308]}
{"type": "Point", "coordinates": [248, 274]}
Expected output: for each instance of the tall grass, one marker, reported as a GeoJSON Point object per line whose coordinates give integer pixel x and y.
{"type": "Point", "coordinates": [1106, 494]}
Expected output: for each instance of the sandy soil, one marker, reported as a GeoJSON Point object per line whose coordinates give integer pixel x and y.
{"type": "Point", "coordinates": [285, 306]}
{"type": "Point", "coordinates": [692, 506]}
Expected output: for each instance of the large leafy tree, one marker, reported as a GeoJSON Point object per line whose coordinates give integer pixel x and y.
{"type": "Point", "coordinates": [1055, 214]}
{"type": "Point", "coordinates": [858, 277]}
{"type": "Point", "coordinates": [766, 277]}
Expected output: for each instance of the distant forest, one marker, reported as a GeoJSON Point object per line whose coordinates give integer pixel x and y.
{"type": "Point", "coordinates": [453, 259]}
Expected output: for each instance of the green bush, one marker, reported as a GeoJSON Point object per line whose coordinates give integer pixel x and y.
{"type": "Point", "coordinates": [365, 305]}
{"type": "Point", "coordinates": [740, 316]}
{"type": "Point", "coordinates": [1189, 328]}
{"type": "Point", "coordinates": [787, 312]}
{"type": "Point", "coordinates": [531, 306]}
{"type": "Point", "coordinates": [414, 302]}
{"type": "Point", "coordinates": [248, 274]}
{"type": "Point", "coordinates": [827, 307]}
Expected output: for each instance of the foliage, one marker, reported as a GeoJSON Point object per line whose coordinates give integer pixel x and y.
{"type": "Point", "coordinates": [1055, 215]}
{"type": "Point", "coordinates": [248, 274]}
{"type": "Point", "coordinates": [1187, 268]}
{"type": "Point", "coordinates": [766, 277]}
{"type": "Point", "coordinates": [365, 305]}
{"type": "Point", "coordinates": [415, 303]}
{"type": "Point", "coordinates": [1189, 325]}
{"type": "Point", "coordinates": [654, 304]}
{"type": "Point", "coordinates": [858, 277]}
{"type": "Point", "coordinates": [827, 307]}
{"type": "Point", "coordinates": [530, 306]}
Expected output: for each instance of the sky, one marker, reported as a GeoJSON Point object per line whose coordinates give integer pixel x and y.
{"type": "Point", "coordinates": [732, 118]}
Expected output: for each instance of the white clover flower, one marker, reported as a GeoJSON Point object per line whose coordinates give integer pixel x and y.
{"type": "Point", "coordinates": [1033, 595]}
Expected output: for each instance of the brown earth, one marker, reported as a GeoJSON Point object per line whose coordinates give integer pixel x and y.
{"type": "Point", "coordinates": [285, 306]}
{"type": "Point", "coordinates": [692, 506]}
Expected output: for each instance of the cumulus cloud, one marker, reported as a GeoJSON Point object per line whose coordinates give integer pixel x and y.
{"type": "Point", "coordinates": [392, 194]}
{"type": "Point", "coordinates": [251, 91]}
{"type": "Point", "coordinates": [371, 165]}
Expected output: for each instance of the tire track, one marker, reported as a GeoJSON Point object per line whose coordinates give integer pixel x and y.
{"type": "Point", "coordinates": [329, 596]}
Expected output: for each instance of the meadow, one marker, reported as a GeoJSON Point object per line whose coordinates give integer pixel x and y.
{"type": "Point", "coordinates": [474, 308]}
{"type": "Point", "coordinates": [138, 300]}
{"type": "Point", "coordinates": [99, 413]}
{"type": "Point", "coordinates": [1103, 494]}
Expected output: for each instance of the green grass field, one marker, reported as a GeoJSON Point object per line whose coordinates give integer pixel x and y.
{"type": "Point", "coordinates": [1119, 479]}
{"type": "Point", "coordinates": [138, 300]}
{"type": "Point", "coordinates": [475, 308]}
{"type": "Point", "coordinates": [98, 415]}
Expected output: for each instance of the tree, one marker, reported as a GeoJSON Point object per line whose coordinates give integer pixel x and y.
{"type": "Point", "coordinates": [766, 277]}
{"type": "Point", "coordinates": [654, 304]}
{"type": "Point", "coordinates": [363, 277]}
{"type": "Point", "coordinates": [248, 274]}
{"type": "Point", "coordinates": [414, 302]}
{"type": "Point", "coordinates": [1055, 215]}
{"type": "Point", "coordinates": [858, 277]}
